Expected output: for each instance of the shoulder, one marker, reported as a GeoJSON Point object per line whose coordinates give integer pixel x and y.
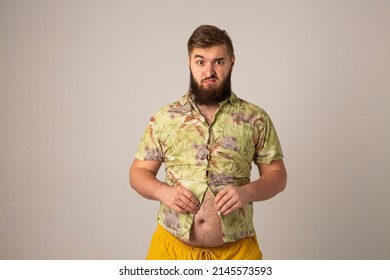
{"type": "Point", "coordinates": [180, 106]}
{"type": "Point", "coordinates": [249, 108]}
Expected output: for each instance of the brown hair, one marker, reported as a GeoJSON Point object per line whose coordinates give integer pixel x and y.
{"type": "Point", "coordinates": [206, 36]}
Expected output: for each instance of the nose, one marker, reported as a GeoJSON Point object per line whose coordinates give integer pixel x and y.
{"type": "Point", "coordinates": [209, 70]}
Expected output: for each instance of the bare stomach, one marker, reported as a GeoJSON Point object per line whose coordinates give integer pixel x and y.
{"type": "Point", "coordinates": [206, 230]}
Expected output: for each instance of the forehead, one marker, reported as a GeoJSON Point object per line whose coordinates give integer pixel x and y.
{"type": "Point", "coordinates": [218, 51]}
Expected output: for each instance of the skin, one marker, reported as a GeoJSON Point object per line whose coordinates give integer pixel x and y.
{"type": "Point", "coordinates": [209, 66]}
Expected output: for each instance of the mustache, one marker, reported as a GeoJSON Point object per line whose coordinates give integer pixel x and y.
{"type": "Point", "coordinates": [213, 77]}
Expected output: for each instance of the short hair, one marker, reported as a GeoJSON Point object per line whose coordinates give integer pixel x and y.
{"type": "Point", "coordinates": [206, 36]}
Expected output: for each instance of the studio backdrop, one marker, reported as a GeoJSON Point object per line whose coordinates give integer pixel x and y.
{"type": "Point", "coordinates": [79, 81]}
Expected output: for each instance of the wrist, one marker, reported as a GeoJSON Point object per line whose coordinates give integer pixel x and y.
{"type": "Point", "coordinates": [248, 193]}
{"type": "Point", "coordinates": [160, 191]}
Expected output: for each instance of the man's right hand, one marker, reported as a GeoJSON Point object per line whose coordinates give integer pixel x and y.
{"type": "Point", "coordinates": [143, 179]}
{"type": "Point", "coordinates": [179, 199]}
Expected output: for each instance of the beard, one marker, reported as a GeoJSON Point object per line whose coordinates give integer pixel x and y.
{"type": "Point", "coordinates": [213, 94]}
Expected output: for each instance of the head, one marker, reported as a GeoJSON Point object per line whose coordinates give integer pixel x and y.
{"type": "Point", "coordinates": [211, 59]}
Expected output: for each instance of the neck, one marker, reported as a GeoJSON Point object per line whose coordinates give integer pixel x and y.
{"type": "Point", "coordinates": [208, 106]}
{"type": "Point", "coordinates": [208, 111]}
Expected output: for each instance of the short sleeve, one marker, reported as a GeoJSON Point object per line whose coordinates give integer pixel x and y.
{"type": "Point", "coordinates": [268, 147]}
{"type": "Point", "coordinates": [150, 148]}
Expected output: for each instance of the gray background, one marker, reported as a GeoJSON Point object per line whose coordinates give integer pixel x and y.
{"type": "Point", "coordinates": [80, 79]}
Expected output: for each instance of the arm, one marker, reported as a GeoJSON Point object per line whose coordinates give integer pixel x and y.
{"type": "Point", "coordinates": [143, 179]}
{"type": "Point", "coordinates": [273, 179]}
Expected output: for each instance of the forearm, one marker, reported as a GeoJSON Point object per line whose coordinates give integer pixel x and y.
{"type": "Point", "coordinates": [270, 183]}
{"type": "Point", "coordinates": [267, 186]}
{"type": "Point", "coordinates": [145, 183]}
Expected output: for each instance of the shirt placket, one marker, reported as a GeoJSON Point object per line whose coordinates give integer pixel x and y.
{"type": "Point", "coordinates": [208, 142]}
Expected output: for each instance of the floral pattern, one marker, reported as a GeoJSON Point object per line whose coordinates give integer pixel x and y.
{"type": "Point", "coordinates": [200, 157]}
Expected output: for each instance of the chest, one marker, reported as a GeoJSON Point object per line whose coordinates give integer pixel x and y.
{"type": "Point", "coordinates": [208, 113]}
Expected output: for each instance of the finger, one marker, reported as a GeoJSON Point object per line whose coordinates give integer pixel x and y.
{"type": "Point", "coordinates": [228, 205]}
{"type": "Point", "coordinates": [178, 209]}
{"type": "Point", "coordinates": [186, 200]}
{"type": "Point", "coordinates": [190, 197]}
{"type": "Point", "coordinates": [223, 199]}
{"type": "Point", "coordinates": [220, 195]}
{"type": "Point", "coordinates": [227, 209]}
{"type": "Point", "coordinates": [182, 207]}
{"type": "Point", "coordinates": [188, 206]}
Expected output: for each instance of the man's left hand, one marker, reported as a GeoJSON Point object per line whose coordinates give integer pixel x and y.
{"type": "Point", "coordinates": [230, 199]}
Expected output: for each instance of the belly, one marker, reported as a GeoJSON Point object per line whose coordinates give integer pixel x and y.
{"type": "Point", "coordinates": [206, 230]}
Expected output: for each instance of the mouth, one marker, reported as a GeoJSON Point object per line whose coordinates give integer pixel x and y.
{"type": "Point", "coordinates": [209, 81]}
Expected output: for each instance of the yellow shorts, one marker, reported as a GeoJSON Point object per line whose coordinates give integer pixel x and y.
{"type": "Point", "coordinates": [165, 246]}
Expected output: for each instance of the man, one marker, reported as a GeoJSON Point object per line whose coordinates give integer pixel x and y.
{"type": "Point", "coordinates": [208, 140]}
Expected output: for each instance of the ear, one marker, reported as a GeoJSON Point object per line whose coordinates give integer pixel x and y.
{"type": "Point", "coordinates": [189, 63]}
{"type": "Point", "coordinates": [233, 60]}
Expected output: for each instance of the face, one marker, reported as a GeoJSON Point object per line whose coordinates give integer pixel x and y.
{"type": "Point", "coordinates": [210, 74]}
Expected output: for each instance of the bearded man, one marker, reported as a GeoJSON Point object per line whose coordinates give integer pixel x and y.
{"type": "Point", "coordinates": [208, 140]}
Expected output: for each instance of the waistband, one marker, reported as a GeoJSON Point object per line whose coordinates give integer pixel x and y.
{"type": "Point", "coordinates": [199, 252]}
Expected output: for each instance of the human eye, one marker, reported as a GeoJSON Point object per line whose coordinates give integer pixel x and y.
{"type": "Point", "coordinates": [200, 62]}
{"type": "Point", "coordinates": [219, 62]}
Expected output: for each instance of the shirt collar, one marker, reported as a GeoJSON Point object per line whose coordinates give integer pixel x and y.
{"type": "Point", "coordinates": [233, 99]}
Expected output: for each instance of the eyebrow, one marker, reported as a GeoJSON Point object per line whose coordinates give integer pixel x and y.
{"type": "Point", "coordinates": [215, 59]}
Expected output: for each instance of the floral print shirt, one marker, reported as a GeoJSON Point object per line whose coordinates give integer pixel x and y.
{"type": "Point", "coordinates": [200, 156]}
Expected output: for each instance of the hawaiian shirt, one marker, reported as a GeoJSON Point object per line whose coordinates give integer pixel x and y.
{"type": "Point", "coordinates": [200, 156]}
